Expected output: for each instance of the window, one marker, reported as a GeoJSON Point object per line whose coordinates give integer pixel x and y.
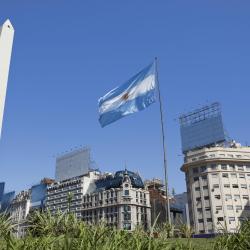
{"type": "Point", "coordinates": [231, 167]}
{"type": "Point", "coordinates": [235, 186]}
{"type": "Point", "coordinates": [206, 197]}
{"type": "Point", "coordinates": [127, 226]}
{"type": "Point", "coordinates": [205, 187]}
{"type": "Point", "coordinates": [243, 186]}
{"type": "Point", "coordinates": [247, 167]}
{"type": "Point", "coordinates": [225, 175]}
{"type": "Point", "coordinates": [233, 175]}
{"type": "Point", "coordinates": [204, 177]}
{"type": "Point", "coordinates": [238, 207]}
{"type": "Point", "coordinates": [218, 207]}
{"type": "Point", "coordinates": [240, 168]}
{"type": "Point", "coordinates": [199, 210]}
{"type": "Point", "coordinates": [220, 219]}
{"type": "Point", "coordinates": [213, 166]}
{"type": "Point", "coordinates": [231, 219]}
{"type": "Point", "coordinates": [214, 175]}
{"type": "Point", "coordinates": [242, 176]}
{"type": "Point", "coordinates": [196, 178]}
{"type": "Point", "coordinates": [200, 220]}
{"type": "Point", "coordinates": [197, 189]}
{"type": "Point", "coordinates": [208, 208]}
{"type": "Point", "coordinates": [209, 219]}
{"type": "Point", "coordinates": [230, 207]}
{"type": "Point", "coordinates": [127, 216]}
{"type": "Point", "coordinates": [228, 196]}
{"type": "Point", "coordinates": [195, 170]}
{"type": "Point", "coordinates": [226, 185]}
{"type": "Point", "coordinates": [126, 208]}
{"type": "Point", "coordinates": [217, 196]}
{"type": "Point", "coordinates": [198, 199]}
{"type": "Point", "coordinates": [216, 186]}
{"type": "Point", "coordinates": [203, 168]}
{"type": "Point", "coordinates": [224, 166]}
{"type": "Point", "coordinates": [126, 192]}
{"type": "Point", "coordinates": [236, 196]}
{"type": "Point", "coordinates": [245, 197]}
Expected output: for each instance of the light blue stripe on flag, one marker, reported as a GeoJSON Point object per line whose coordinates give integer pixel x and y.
{"type": "Point", "coordinates": [134, 95]}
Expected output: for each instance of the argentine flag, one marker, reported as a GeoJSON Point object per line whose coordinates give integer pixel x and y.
{"type": "Point", "coordinates": [134, 95]}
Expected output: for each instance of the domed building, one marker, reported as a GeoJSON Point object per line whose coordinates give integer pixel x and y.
{"type": "Point", "coordinates": [120, 200]}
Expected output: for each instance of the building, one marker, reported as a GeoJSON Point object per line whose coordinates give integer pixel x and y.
{"type": "Point", "coordinates": [218, 187]}
{"type": "Point", "coordinates": [67, 194]}
{"type": "Point", "coordinates": [38, 194]}
{"type": "Point", "coordinates": [2, 184]}
{"type": "Point", "coordinates": [24, 203]}
{"type": "Point", "coordinates": [119, 200]}
{"type": "Point", "coordinates": [180, 201]}
{"type": "Point", "coordinates": [19, 210]}
{"type": "Point", "coordinates": [6, 41]}
{"type": "Point", "coordinates": [158, 204]}
{"type": "Point", "coordinates": [6, 201]}
{"type": "Point", "coordinates": [72, 164]}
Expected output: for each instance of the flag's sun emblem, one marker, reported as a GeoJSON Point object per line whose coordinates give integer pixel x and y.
{"type": "Point", "coordinates": [125, 97]}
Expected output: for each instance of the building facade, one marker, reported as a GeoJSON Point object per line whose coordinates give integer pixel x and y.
{"type": "Point", "coordinates": [218, 187]}
{"type": "Point", "coordinates": [119, 200]}
{"type": "Point", "coordinates": [158, 204]}
{"type": "Point", "coordinates": [19, 210]}
{"type": "Point", "coordinates": [67, 195]}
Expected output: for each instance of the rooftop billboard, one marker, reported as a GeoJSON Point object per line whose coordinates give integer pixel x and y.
{"type": "Point", "coordinates": [202, 127]}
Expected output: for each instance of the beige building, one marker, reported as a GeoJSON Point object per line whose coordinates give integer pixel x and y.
{"type": "Point", "coordinates": [122, 204]}
{"type": "Point", "coordinates": [218, 187]}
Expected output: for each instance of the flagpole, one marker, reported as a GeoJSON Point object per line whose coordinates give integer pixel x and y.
{"type": "Point", "coordinates": [168, 217]}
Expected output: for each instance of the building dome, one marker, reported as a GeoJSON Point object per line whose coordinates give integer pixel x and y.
{"type": "Point", "coordinates": [116, 180]}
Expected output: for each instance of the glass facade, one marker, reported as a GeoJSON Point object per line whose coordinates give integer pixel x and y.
{"type": "Point", "coordinates": [38, 193]}
{"type": "Point", "coordinates": [2, 184]}
{"type": "Point", "coordinates": [6, 200]}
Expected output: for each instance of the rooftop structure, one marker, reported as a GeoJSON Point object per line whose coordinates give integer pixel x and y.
{"type": "Point", "coordinates": [72, 164]}
{"type": "Point", "coordinates": [202, 127]}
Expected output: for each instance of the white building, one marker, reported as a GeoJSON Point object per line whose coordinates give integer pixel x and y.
{"type": "Point", "coordinates": [6, 41]}
{"type": "Point", "coordinates": [218, 187]}
{"type": "Point", "coordinates": [19, 210]}
{"type": "Point", "coordinates": [67, 195]}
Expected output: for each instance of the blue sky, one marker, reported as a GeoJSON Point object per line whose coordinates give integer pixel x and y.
{"type": "Point", "coordinates": [67, 54]}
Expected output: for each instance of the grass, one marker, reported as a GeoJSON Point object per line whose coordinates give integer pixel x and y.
{"type": "Point", "coordinates": [65, 232]}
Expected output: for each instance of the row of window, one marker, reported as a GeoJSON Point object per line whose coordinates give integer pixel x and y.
{"type": "Point", "coordinates": [224, 175]}
{"type": "Point", "coordinates": [227, 197]}
{"type": "Point", "coordinates": [231, 207]}
{"type": "Point", "coordinates": [231, 167]}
